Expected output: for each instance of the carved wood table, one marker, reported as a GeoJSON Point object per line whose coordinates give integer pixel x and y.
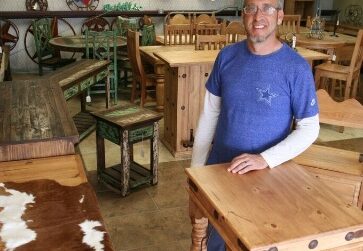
{"type": "Point", "coordinates": [284, 208]}
{"type": "Point", "coordinates": [34, 121]}
{"type": "Point", "coordinates": [125, 126]}
{"type": "Point", "coordinates": [53, 206]}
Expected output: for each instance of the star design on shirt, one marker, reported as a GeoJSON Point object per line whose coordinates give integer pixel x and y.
{"type": "Point", "coordinates": [266, 95]}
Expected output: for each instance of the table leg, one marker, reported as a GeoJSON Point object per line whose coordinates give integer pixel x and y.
{"type": "Point", "coordinates": [199, 230]}
{"type": "Point", "coordinates": [160, 82]}
{"type": "Point", "coordinates": [154, 156]}
{"type": "Point", "coordinates": [125, 163]}
{"type": "Point", "coordinates": [100, 149]}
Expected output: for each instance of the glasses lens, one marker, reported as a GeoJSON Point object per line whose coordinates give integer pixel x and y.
{"type": "Point", "coordinates": [250, 9]}
{"type": "Point", "coordinates": [268, 10]}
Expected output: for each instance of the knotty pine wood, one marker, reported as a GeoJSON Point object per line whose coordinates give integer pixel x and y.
{"type": "Point", "coordinates": [284, 207]}
{"type": "Point", "coordinates": [66, 170]}
{"type": "Point", "coordinates": [35, 121]}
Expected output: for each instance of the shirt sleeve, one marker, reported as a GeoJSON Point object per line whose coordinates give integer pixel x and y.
{"type": "Point", "coordinates": [206, 129]}
{"type": "Point", "coordinates": [306, 132]}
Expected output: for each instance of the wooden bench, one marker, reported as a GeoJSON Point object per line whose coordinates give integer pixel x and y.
{"type": "Point", "coordinates": [74, 80]}
{"type": "Point", "coordinates": [341, 170]}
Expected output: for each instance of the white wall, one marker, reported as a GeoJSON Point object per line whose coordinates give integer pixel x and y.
{"type": "Point", "coordinates": [20, 61]}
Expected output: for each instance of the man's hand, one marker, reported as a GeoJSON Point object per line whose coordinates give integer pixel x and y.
{"type": "Point", "coordinates": [247, 162]}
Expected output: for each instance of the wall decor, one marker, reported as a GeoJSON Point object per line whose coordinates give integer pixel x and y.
{"type": "Point", "coordinates": [9, 33]}
{"type": "Point", "coordinates": [126, 6]}
{"type": "Point", "coordinates": [353, 14]}
{"type": "Point", "coordinates": [82, 4]}
{"type": "Point", "coordinates": [36, 5]}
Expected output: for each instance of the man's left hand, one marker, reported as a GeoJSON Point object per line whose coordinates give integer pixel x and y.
{"type": "Point", "coordinates": [247, 162]}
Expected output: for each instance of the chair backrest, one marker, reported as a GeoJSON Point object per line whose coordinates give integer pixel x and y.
{"type": "Point", "coordinates": [290, 24]}
{"type": "Point", "coordinates": [235, 31]}
{"type": "Point", "coordinates": [134, 56]}
{"type": "Point", "coordinates": [178, 19]}
{"type": "Point", "coordinates": [178, 34]}
{"type": "Point", "coordinates": [42, 35]}
{"type": "Point", "coordinates": [148, 35]}
{"type": "Point", "coordinates": [344, 54]}
{"type": "Point", "coordinates": [212, 42]}
{"type": "Point", "coordinates": [123, 24]}
{"type": "Point", "coordinates": [357, 57]}
{"type": "Point", "coordinates": [204, 18]}
{"type": "Point", "coordinates": [208, 29]}
{"type": "Point", "coordinates": [348, 113]}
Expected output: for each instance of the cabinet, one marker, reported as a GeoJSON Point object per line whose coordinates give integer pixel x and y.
{"type": "Point", "coordinates": [299, 7]}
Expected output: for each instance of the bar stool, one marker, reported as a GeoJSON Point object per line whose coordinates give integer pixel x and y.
{"type": "Point", "coordinates": [125, 126]}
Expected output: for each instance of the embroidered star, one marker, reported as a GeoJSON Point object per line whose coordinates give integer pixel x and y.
{"type": "Point", "coordinates": [266, 95]}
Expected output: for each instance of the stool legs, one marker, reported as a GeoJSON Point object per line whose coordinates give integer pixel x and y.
{"type": "Point", "coordinates": [125, 163]}
{"type": "Point", "coordinates": [154, 156]}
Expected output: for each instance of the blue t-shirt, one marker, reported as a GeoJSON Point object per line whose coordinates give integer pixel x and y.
{"type": "Point", "coordinates": [260, 95]}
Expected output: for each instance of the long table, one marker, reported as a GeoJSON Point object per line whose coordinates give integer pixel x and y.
{"type": "Point", "coordinates": [284, 208]}
{"type": "Point", "coordinates": [186, 72]}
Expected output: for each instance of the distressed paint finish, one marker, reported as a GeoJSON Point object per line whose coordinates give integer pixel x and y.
{"type": "Point", "coordinates": [34, 121]}
{"type": "Point", "coordinates": [125, 126]}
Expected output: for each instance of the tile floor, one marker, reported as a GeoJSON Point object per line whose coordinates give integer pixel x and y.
{"type": "Point", "coordinates": [156, 217]}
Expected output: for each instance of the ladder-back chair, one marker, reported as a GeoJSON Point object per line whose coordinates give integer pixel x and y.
{"type": "Point", "coordinates": [142, 82]}
{"type": "Point", "coordinates": [178, 34]}
{"type": "Point", "coordinates": [350, 74]}
{"type": "Point", "coordinates": [235, 31]}
{"type": "Point", "coordinates": [212, 42]}
{"type": "Point", "coordinates": [290, 24]}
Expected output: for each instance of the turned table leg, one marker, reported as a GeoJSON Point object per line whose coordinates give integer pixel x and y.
{"type": "Point", "coordinates": [199, 230]}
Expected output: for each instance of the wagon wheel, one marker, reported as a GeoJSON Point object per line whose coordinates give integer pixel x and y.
{"type": "Point", "coordinates": [82, 4]}
{"type": "Point", "coordinates": [37, 5]}
{"type": "Point", "coordinates": [29, 45]}
{"type": "Point", "coordinates": [95, 24]}
{"type": "Point", "coordinates": [9, 33]}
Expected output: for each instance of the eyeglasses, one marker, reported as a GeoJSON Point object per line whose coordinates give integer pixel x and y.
{"type": "Point", "coordinates": [265, 10]}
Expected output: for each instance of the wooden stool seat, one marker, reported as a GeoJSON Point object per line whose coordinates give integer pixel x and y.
{"type": "Point", "coordinates": [125, 126]}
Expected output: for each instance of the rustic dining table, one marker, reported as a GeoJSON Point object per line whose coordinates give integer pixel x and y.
{"type": "Point", "coordinates": [185, 72]}
{"type": "Point", "coordinates": [77, 43]}
{"type": "Point", "coordinates": [284, 208]}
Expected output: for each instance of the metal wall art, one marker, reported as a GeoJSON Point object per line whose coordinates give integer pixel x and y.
{"type": "Point", "coordinates": [82, 4]}
{"type": "Point", "coordinates": [353, 14]}
{"type": "Point", "coordinates": [9, 33]}
{"type": "Point", "coordinates": [37, 5]}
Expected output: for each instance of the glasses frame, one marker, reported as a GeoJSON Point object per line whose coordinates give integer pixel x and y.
{"type": "Point", "coordinates": [271, 10]}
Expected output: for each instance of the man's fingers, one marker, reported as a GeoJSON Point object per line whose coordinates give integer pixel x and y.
{"type": "Point", "coordinates": [238, 166]}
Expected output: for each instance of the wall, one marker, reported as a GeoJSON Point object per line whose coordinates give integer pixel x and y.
{"type": "Point", "coordinates": [343, 6]}
{"type": "Point", "coordinates": [20, 62]}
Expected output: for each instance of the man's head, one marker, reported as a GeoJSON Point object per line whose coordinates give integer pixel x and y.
{"type": "Point", "coordinates": [261, 17]}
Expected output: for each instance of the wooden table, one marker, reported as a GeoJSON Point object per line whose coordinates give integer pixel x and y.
{"type": "Point", "coordinates": [283, 208]}
{"type": "Point", "coordinates": [125, 126]}
{"type": "Point", "coordinates": [34, 121]}
{"type": "Point", "coordinates": [328, 43]}
{"type": "Point", "coordinates": [62, 199]}
{"type": "Point", "coordinates": [74, 80]}
{"type": "Point", "coordinates": [186, 73]}
{"type": "Point", "coordinates": [77, 43]}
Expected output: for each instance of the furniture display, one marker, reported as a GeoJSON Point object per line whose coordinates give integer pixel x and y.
{"type": "Point", "coordinates": [186, 72]}
{"type": "Point", "coordinates": [350, 74]}
{"type": "Point", "coordinates": [235, 32]}
{"type": "Point", "coordinates": [212, 42]}
{"type": "Point", "coordinates": [58, 203]}
{"type": "Point", "coordinates": [46, 54]}
{"type": "Point", "coordinates": [142, 83]}
{"type": "Point", "coordinates": [74, 80]}
{"type": "Point", "coordinates": [103, 46]}
{"type": "Point", "coordinates": [303, 8]}
{"type": "Point", "coordinates": [177, 34]}
{"type": "Point", "coordinates": [126, 126]}
{"type": "Point", "coordinates": [283, 208]}
{"type": "Point", "coordinates": [341, 170]}
{"type": "Point", "coordinates": [290, 24]}
{"type": "Point", "coordinates": [35, 121]}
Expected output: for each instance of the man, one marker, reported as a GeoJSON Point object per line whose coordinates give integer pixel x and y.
{"type": "Point", "coordinates": [255, 91]}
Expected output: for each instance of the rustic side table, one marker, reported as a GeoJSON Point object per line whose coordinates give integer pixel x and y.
{"type": "Point", "coordinates": [125, 126]}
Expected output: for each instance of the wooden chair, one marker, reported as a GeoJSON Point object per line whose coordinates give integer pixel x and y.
{"type": "Point", "coordinates": [213, 42]}
{"type": "Point", "coordinates": [123, 24]}
{"type": "Point", "coordinates": [142, 82]}
{"type": "Point", "coordinates": [178, 34]}
{"type": "Point", "coordinates": [204, 18]}
{"type": "Point", "coordinates": [177, 19]}
{"type": "Point", "coordinates": [349, 74]}
{"type": "Point", "coordinates": [342, 170]}
{"type": "Point", "coordinates": [290, 24]}
{"type": "Point", "coordinates": [4, 61]}
{"type": "Point", "coordinates": [235, 31]}
{"type": "Point", "coordinates": [102, 45]}
{"type": "Point", "coordinates": [208, 29]}
{"type": "Point", "coordinates": [148, 36]}
{"type": "Point", "coordinates": [47, 55]}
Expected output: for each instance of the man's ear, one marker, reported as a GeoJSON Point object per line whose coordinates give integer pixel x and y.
{"type": "Point", "coordinates": [280, 17]}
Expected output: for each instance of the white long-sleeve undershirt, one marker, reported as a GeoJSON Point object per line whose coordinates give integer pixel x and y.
{"type": "Point", "coordinates": [296, 142]}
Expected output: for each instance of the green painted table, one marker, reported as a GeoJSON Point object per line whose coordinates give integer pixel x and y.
{"type": "Point", "coordinates": [125, 126]}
